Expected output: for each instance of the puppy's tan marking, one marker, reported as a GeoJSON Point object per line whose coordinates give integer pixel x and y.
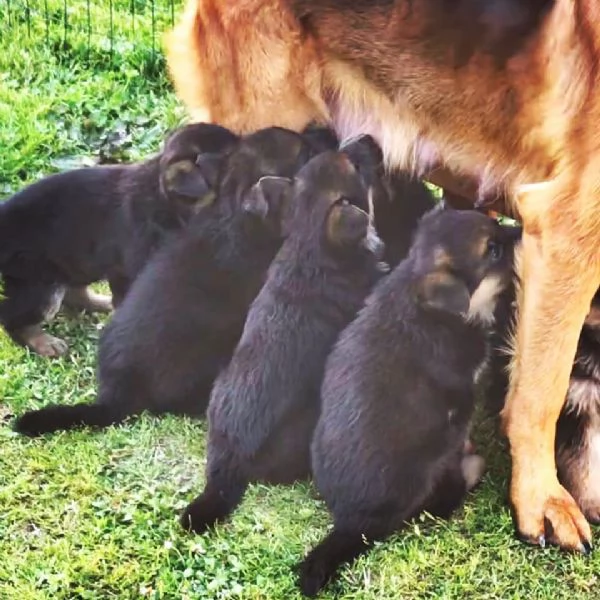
{"type": "Point", "coordinates": [483, 300]}
{"type": "Point", "coordinates": [441, 259]}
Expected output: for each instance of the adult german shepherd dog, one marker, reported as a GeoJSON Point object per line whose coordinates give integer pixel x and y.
{"type": "Point", "coordinates": [503, 92]}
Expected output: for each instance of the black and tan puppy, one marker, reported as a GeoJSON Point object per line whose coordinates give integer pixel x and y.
{"type": "Point", "coordinates": [71, 229]}
{"type": "Point", "coordinates": [578, 427]}
{"type": "Point", "coordinates": [320, 137]}
{"type": "Point", "coordinates": [577, 445]}
{"type": "Point", "coordinates": [184, 315]}
{"type": "Point", "coordinates": [265, 404]}
{"type": "Point", "coordinates": [397, 395]}
{"type": "Point", "coordinates": [399, 199]}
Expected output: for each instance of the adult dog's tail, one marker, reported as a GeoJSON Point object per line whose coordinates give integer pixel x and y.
{"type": "Point", "coordinates": [324, 560]}
{"type": "Point", "coordinates": [63, 417]}
{"type": "Point", "coordinates": [245, 65]}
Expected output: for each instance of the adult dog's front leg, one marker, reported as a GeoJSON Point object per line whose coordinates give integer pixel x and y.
{"type": "Point", "coordinates": [560, 272]}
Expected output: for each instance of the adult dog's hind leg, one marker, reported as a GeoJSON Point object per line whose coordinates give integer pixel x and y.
{"type": "Point", "coordinates": [25, 306]}
{"type": "Point", "coordinates": [560, 270]}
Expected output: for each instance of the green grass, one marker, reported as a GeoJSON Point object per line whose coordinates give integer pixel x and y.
{"type": "Point", "coordinates": [94, 515]}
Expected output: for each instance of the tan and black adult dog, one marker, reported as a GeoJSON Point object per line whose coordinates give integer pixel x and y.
{"type": "Point", "coordinates": [504, 92]}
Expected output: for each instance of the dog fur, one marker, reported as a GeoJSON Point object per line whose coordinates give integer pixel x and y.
{"type": "Point", "coordinates": [399, 200]}
{"type": "Point", "coordinates": [74, 228]}
{"type": "Point", "coordinates": [398, 393]}
{"type": "Point", "coordinates": [265, 404]}
{"type": "Point", "coordinates": [578, 428]}
{"type": "Point", "coordinates": [502, 92]}
{"type": "Point", "coordinates": [184, 314]}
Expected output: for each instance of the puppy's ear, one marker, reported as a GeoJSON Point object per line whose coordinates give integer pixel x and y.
{"type": "Point", "coordinates": [184, 180]}
{"type": "Point", "coordinates": [443, 291]}
{"type": "Point", "coordinates": [347, 224]}
{"type": "Point", "coordinates": [268, 194]}
{"type": "Point", "coordinates": [515, 232]}
{"type": "Point", "coordinates": [593, 318]}
{"type": "Point", "coordinates": [210, 166]}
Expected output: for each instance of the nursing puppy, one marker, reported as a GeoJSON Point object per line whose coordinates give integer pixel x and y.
{"type": "Point", "coordinates": [577, 446]}
{"type": "Point", "coordinates": [71, 229]}
{"type": "Point", "coordinates": [184, 315]}
{"type": "Point", "coordinates": [397, 395]}
{"type": "Point", "coordinates": [399, 200]}
{"type": "Point", "coordinates": [320, 138]}
{"type": "Point", "coordinates": [265, 404]}
{"type": "Point", "coordinates": [578, 428]}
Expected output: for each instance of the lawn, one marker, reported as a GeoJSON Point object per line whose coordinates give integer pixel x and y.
{"type": "Point", "coordinates": [94, 515]}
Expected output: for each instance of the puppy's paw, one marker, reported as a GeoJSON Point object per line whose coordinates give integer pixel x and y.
{"type": "Point", "coordinates": [473, 468]}
{"type": "Point", "coordinates": [545, 512]}
{"type": "Point", "coordinates": [78, 299]}
{"type": "Point", "coordinates": [47, 345]}
{"type": "Point", "coordinates": [469, 447]}
{"type": "Point", "coordinates": [98, 303]}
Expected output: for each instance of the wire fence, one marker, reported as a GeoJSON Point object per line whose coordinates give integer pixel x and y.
{"type": "Point", "coordinates": [87, 30]}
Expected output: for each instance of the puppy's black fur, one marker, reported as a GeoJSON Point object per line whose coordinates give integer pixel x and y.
{"type": "Point", "coordinates": [82, 226]}
{"type": "Point", "coordinates": [397, 395]}
{"type": "Point", "coordinates": [399, 200]}
{"type": "Point", "coordinates": [578, 427]}
{"type": "Point", "coordinates": [397, 212]}
{"type": "Point", "coordinates": [185, 313]}
{"type": "Point", "coordinates": [577, 442]}
{"type": "Point", "coordinates": [320, 138]}
{"type": "Point", "coordinates": [265, 404]}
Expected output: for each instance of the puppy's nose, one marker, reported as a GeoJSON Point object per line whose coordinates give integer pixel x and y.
{"type": "Point", "coordinates": [361, 138]}
{"type": "Point", "coordinates": [362, 147]}
{"type": "Point", "coordinates": [515, 233]}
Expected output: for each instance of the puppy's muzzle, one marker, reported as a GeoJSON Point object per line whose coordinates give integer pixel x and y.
{"type": "Point", "coordinates": [374, 244]}
{"type": "Point", "coordinates": [515, 233]}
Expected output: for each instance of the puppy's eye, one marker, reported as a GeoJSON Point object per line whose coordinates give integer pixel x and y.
{"type": "Point", "coordinates": [344, 201]}
{"type": "Point", "coordinates": [494, 250]}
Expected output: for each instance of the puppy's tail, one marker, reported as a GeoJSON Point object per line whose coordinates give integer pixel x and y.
{"type": "Point", "coordinates": [4, 237]}
{"type": "Point", "coordinates": [216, 503]}
{"type": "Point", "coordinates": [60, 417]}
{"type": "Point", "coordinates": [324, 560]}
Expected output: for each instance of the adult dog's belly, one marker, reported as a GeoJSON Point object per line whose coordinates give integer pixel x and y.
{"type": "Point", "coordinates": [410, 141]}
